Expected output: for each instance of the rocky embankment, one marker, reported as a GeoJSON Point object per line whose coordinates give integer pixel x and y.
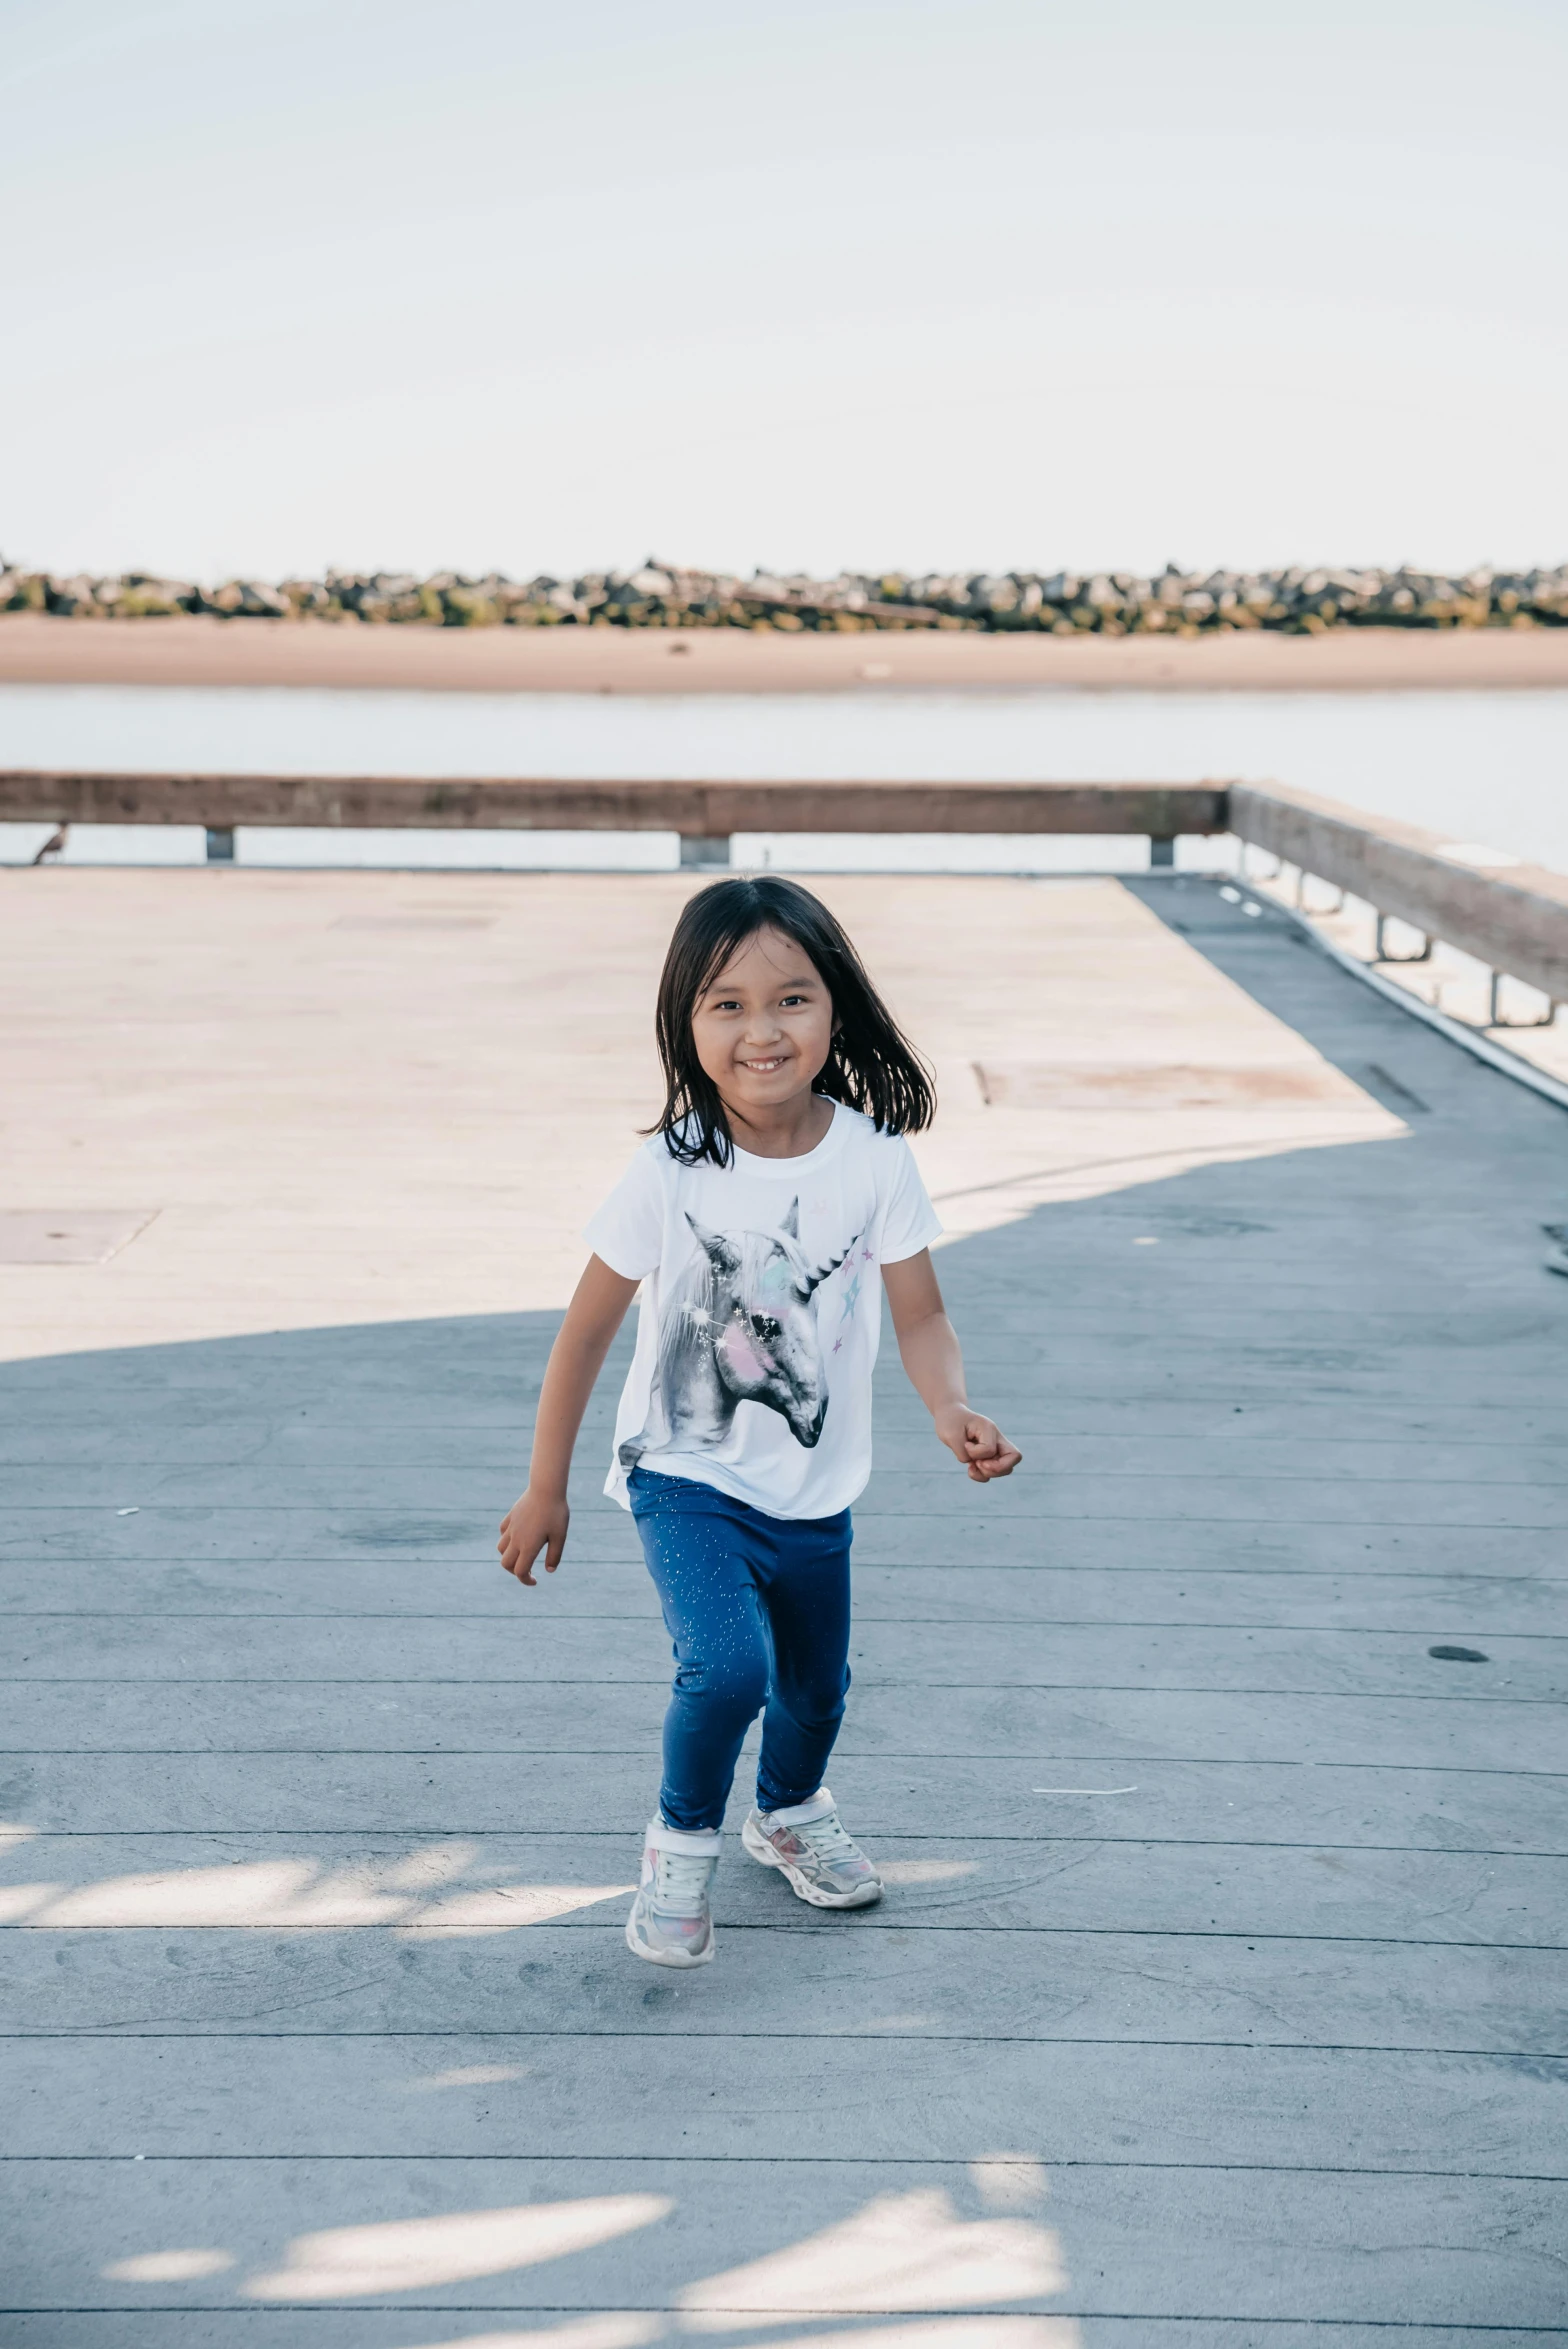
{"type": "Point", "coordinates": [1110, 603]}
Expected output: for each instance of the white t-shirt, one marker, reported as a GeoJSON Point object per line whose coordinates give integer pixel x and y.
{"type": "Point", "coordinates": [760, 1312]}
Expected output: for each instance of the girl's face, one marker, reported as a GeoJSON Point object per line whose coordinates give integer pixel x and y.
{"type": "Point", "coordinates": [763, 1026]}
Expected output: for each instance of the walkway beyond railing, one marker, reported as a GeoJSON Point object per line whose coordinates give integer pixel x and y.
{"type": "Point", "coordinates": [1511, 916]}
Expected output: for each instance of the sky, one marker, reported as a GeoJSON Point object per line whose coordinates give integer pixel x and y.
{"type": "Point", "coordinates": [879, 284]}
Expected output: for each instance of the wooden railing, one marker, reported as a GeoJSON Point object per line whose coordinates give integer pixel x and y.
{"type": "Point", "coordinates": [1513, 918]}
{"type": "Point", "coordinates": [696, 810]}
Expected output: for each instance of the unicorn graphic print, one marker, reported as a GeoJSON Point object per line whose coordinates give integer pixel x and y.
{"type": "Point", "coordinates": [740, 1326]}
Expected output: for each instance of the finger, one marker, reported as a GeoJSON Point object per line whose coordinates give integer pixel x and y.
{"type": "Point", "coordinates": [552, 1555]}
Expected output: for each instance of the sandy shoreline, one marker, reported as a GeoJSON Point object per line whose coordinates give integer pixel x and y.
{"type": "Point", "coordinates": [35, 650]}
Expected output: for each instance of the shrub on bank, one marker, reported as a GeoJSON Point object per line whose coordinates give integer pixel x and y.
{"type": "Point", "coordinates": [1109, 603]}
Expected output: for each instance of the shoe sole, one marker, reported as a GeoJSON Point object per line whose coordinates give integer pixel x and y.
{"type": "Point", "coordinates": [800, 1884]}
{"type": "Point", "coordinates": [669, 1957]}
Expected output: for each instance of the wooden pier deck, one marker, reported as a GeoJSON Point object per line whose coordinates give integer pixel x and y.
{"type": "Point", "coordinates": [1217, 1996]}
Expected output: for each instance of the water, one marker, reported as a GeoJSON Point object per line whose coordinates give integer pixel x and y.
{"type": "Point", "coordinates": [1484, 768]}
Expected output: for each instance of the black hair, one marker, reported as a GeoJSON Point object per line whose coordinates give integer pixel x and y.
{"type": "Point", "coordinates": [872, 1066]}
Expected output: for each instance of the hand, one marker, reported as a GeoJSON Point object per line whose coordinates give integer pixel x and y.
{"type": "Point", "coordinates": [978, 1442]}
{"type": "Point", "coordinates": [529, 1526]}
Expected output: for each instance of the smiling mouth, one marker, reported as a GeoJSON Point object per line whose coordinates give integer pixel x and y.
{"type": "Point", "coordinates": [763, 1068]}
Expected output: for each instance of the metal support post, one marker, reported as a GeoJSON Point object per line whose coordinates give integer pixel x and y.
{"type": "Point", "coordinates": [704, 850]}
{"type": "Point", "coordinates": [1380, 951]}
{"type": "Point", "coordinates": [1494, 1008]}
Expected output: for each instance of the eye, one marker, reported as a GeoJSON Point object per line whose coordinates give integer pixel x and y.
{"type": "Point", "coordinates": [763, 1325]}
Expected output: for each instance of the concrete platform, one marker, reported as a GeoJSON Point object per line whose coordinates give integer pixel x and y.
{"type": "Point", "coordinates": [1216, 1998]}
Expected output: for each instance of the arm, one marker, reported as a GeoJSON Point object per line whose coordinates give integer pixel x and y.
{"type": "Point", "coordinates": [540, 1519]}
{"type": "Point", "coordinates": [928, 1348]}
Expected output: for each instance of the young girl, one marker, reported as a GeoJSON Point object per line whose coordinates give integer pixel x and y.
{"type": "Point", "coordinates": [774, 1203]}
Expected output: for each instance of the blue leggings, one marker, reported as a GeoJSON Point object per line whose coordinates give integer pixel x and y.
{"type": "Point", "coordinates": [758, 1608]}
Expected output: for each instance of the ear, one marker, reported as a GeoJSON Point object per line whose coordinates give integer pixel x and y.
{"type": "Point", "coordinates": [791, 1222]}
{"type": "Point", "coordinates": [722, 1255]}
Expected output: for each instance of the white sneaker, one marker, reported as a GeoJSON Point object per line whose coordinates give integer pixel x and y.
{"type": "Point", "coordinates": [671, 1923]}
{"type": "Point", "coordinates": [813, 1849]}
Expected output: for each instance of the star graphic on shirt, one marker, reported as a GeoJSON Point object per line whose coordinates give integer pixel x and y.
{"type": "Point", "coordinates": [837, 1343]}
{"type": "Point", "coordinates": [865, 1255]}
{"type": "Point", "coordinates": [851, 1297]}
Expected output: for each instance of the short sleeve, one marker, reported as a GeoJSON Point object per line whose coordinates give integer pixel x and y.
{"type": "Point", "coordinates": [627, 1233]}
{"type": "Point", "coordinates": [909, 1221]}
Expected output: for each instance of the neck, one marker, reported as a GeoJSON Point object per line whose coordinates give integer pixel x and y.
{"type": "Point", "coordinates": [787, 1131]}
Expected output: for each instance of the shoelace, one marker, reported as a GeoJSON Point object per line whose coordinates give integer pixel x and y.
{"type": "Point", "coordinates": [681, 1882]}
{"type": "Point", "coordinates": [827, 1837]}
